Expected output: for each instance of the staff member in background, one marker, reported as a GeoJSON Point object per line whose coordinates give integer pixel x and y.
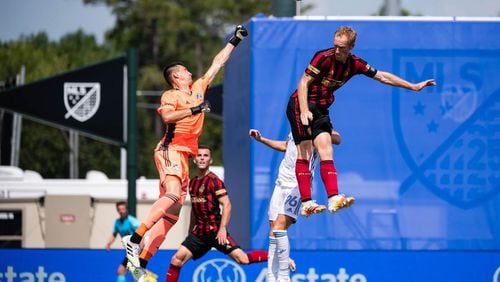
{"type": "Point", "coordinates": [124, 225]}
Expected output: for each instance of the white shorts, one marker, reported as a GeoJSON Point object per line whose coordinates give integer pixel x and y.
{"type": "Point", "coordinates": [285, 201]}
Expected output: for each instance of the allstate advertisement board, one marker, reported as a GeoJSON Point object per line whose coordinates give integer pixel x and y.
{"type": "Point", "coordinates": [28, 265]}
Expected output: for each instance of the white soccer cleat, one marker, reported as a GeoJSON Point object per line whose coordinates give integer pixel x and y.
{"type": "Point", "coordinates": [132, 250]}
{"type": "Point", "coordinates": [338, 202]}
{"type": "Point", "coordinates": [310, 207]}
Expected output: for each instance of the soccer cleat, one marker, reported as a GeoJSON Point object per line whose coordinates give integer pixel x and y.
{"type": "Point", "coordinates": [132, 251]}
{"type": "Point", "coordinates": [149, 277]}
{"type": "Point", "coordinates": [338, 202]}
{"type": "Point", "coordinates": [291, 265]}
{"type": "Point", "coordinates": [310, 207]}
{"type": "Point", "coordinates": [140, 274]}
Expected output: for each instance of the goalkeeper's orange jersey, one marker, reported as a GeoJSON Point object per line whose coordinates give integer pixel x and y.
{"type": "Point", "coordinates": [183, 134]}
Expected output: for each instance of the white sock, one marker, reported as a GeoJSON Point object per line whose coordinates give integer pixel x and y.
{"type": "Point", "coordinates": [272, 261]}
{"type": "Point", "coordinates": [283, 253]}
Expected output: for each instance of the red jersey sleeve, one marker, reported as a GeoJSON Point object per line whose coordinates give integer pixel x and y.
{"type": "Point", "coordinates": [320, 63]}
{"type": "Point", "coordinates": [218, 187]}
{"type": "Point", "coordinates": [362, 67]}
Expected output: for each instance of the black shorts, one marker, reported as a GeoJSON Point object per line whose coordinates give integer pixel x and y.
{"type": "Point", "coordinates": [320, 123]}
{"type": "Point", "coordinates": [200, 245]}
{"type": "Point", "coordinates": [124, 262]}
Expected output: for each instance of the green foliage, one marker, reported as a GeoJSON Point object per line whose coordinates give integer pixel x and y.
{"type": "Point", "coordinates": [161, 31]}
{"type": "Point", "coordinates": [44, 149]}
{"type": "Point", "coordinates": [166, 31]}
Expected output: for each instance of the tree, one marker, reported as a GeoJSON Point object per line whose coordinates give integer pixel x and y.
{"type": "Point", "coordinates": [166, 31]}
{"type": "Point", "coordinates": [162, 31]}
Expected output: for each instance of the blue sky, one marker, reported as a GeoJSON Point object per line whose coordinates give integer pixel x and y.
{"type": "Point", "coordinates": [58, 17]}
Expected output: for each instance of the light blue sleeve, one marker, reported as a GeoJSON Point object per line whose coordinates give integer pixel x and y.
{"type": "Point", "coordinates": [134, 222]}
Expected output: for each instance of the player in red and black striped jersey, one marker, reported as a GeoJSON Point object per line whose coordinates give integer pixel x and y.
{"type": "Point", "coordinates": [307, 112]}
{"type": "Point", "coordinates": [208, 193]}
{"type": "Point", "coordinates": [205, 193]}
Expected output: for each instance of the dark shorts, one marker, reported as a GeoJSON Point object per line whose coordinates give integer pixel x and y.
{"type": "Point", "coordinates": [200, 245]}
{"type": "Point", "coordinates": [124, 262]}
{"type": "Point", "coordinates": [320, 123]}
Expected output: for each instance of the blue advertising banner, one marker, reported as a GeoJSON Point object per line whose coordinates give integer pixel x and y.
{"type": "Point", "coordinates": [424, 166]}
{"type": "Point", "coordinates": [39, 265]}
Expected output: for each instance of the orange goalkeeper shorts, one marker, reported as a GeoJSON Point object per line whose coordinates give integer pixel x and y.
{"type": "Point", "coordinates": [175, 163]}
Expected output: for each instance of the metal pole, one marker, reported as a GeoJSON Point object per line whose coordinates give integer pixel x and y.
{"type": "Point", "coordinates": [73, 154]}
{"type": "Point", "coordinates": [297, 7]}
{"type": "Point", "coordinates": [123, 163]}
{"type": "Point", "coordinates": [17, 125]}
{"type": "Point", "coordinates": [132, 129]}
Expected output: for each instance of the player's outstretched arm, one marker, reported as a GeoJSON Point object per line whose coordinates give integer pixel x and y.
{"type": "Point", "coordinates": [221, 58]}
{"type": "Point", "coordinates": [273, 144]}
{"type": "Point", "coordinates": [394, 80]}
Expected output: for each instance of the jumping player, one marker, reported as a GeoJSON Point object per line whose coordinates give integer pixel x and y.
{"type": "Point", "coordinates": [207, 192]}
{"type": "Point", "coordinates": [182, 110]}
{"type": "Point", "coordinates": [284, 204]}
{"type": "Point", "coordinates": [307, 112]}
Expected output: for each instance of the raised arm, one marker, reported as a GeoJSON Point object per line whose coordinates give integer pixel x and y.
{"type": "Point", "coordinates": [273, 144]}
{"type": "Point", "coordinates": [394, 80]}
{"type": "Point", "coordinates": [221, 58]}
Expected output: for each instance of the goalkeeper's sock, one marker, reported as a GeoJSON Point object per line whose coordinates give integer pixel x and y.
{"type": "Point", "coordinates": [158, 211]}
{"type": "Point", "coordinates": [136, 237]}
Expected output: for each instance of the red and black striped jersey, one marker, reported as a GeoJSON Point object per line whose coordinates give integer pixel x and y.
{"type": "Point", "coordinates": [205, 193]}
{"type": "Point", "coordinates": [330, 74]}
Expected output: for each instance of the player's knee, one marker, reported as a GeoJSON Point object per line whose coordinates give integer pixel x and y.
{"type": "Point", "coordinates": [242, 260]}
{"type": "Point", "coordinates": [174, 210]}
{"type": "Point", "coordinates": [177, 260]}
{"type": "Point", "coordinates": [240, 257]}
{"type": "Point", "coordinates": [173, 195]}
{"type": "Point", "coordinates": [325, 152]}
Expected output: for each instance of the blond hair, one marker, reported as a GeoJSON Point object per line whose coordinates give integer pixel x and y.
{"type": "Point", "coordinates": [349, 32]}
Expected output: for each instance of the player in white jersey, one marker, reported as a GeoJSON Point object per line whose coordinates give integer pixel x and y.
{"type": "Point", "coordinates": [284, 205]}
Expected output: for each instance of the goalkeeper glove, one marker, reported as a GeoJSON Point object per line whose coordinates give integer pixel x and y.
{"type": "Point", "coordinates": [204, 107]}
{"type": "Point", "coordinates": [239, 34]}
